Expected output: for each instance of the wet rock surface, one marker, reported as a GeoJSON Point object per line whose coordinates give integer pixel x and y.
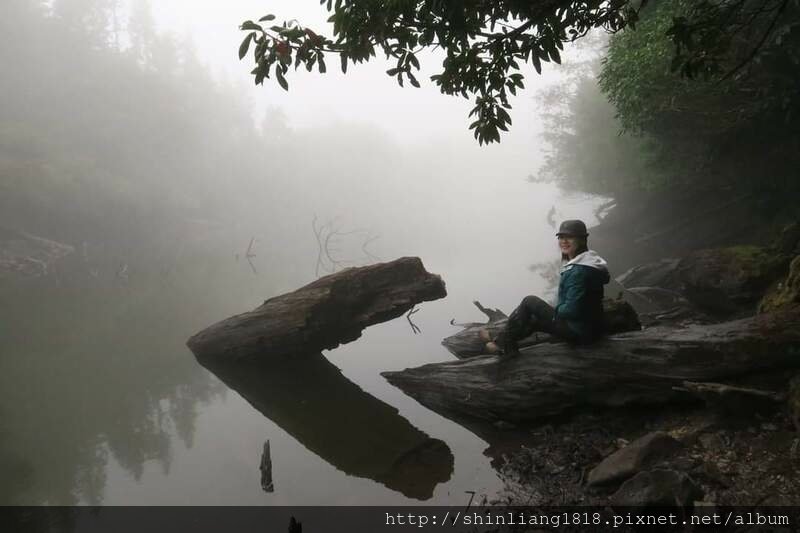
{"type": "Point", "coordinates": [757, 461]}
{"type": "Point", "coordinates": [730, 281]}
{"type": "Point", "coordinates": [738, 443]}
{"type": "Point", "coordinates": [720, 282]}
{"type": "Point", "coordinates": [785, 293]}
{"type": "Point", "coordinates": [629, 460]}
{"type": "Point", "coordinates": [657, 488]}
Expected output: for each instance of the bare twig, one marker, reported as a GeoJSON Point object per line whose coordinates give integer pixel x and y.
{"type": "Point", "coordinates": [364, 245]}
{"type": "Point", "coordinates": [493, 314]}
{"type": "Point", "coordinates": [249, 255]}
{"type": "Point", "coordinates": [329, 239]}
{"type": "Point", "coordinates": [414, 327]}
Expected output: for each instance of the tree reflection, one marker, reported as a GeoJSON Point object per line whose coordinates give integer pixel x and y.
{"type": "Point", "coordinates": [89, 373]}
{"type": "Point", "coordinates": [310, 399]}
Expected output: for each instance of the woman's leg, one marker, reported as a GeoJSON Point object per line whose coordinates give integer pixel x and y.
{"type": "Point", "coordinates": [560, 329]}
{"type": "Point", "coordinates": [532, 314]}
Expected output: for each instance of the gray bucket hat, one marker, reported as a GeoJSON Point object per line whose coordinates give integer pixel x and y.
{"type": "Point", "coordinates": [573, 228]}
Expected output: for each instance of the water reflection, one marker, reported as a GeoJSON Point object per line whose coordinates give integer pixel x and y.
{"type": "Point", "coordinates": [332, 417]}
{"type": "Point", "coordinates": [92, 373]}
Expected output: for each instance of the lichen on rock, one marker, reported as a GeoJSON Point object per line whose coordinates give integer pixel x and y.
{"type": "Point", "coordinates": [785, 293]}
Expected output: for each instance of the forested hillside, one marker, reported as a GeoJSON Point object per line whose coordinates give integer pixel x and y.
{"type": "Point", "coordinates": [108, 130]}
{"type": "Point", "coordinates": [632, 121]}
{"type": "Point", "coordinates": [690, 160]}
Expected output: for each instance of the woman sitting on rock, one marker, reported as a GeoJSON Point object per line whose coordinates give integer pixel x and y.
{"type": "Point", "coordinates": [578, 315]}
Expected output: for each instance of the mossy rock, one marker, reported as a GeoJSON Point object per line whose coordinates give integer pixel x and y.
{"type": "Point", "coordinates": [785, 293]}
{"type": "Point", "coordinates": [788, 241]}
{"type": "Point", "coordinates": [730, 281]}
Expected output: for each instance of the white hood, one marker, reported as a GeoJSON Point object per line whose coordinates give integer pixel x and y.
{"type": "Point", "coordinates": [587, 258]}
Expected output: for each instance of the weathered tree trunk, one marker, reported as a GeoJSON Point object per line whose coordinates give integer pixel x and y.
{"type": "Point", "coordinates": [630, 368]}
{"type": "Point", "coordinates": [618, 317]}
{"type": "Point", "coordinates": [332, 310]}
{"type": "Point", "coordinates": [733, 400]}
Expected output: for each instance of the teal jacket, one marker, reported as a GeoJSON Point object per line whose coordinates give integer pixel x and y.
{"type": "Point", "coordinates": [580, 294]}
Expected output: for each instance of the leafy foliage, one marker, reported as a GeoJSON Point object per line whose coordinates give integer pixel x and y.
{"type": "Point", "coordinates": [729, 123]}
{"type": "Point", "coordinates": [667, 122]}
{"type": "Point", "coordinates": [486, 44]}
{"type": "Point", "coordinates": [588, 152]}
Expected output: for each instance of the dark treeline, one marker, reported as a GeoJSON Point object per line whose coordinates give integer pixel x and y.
{"type": "Point", "coordinates": [111, 133]}
{"type": "Point", "coordinates": [117, 136]}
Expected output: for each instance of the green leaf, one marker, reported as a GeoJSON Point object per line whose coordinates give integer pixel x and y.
{"type": "Point", "coordinates": [266, 18]}
{"type": "Point", "coordinates": [281, 80]}
{"type": "Point", "coordinates": [245, 46]}
{"type": "Point", "coordinates": [250, 25]}
{"type": "Point", "coordinates": [537, 64]}
{"type": "Point", "coordinates": [322, 67]}
{"type": "Point", "coordinates": [344, 63]}
{"type": "Point", "coordinates": [503, 115]}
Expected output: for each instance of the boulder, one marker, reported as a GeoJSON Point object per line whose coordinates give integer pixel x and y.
{"type": "Point", "coordinates": [661, 273]}
{"type": "Point", "coordinates": [626, 462]}
{"type": "Point", "coordinates": [657, 488]}
{"type": "Point", "coordinates": [657, 306]}
{"type": "Point", "coordinates": [730, 281]}
{"type": "Point", "coordinates": [723, 282]}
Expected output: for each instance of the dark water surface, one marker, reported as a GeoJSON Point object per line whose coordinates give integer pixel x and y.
{"type": "Point", "coordinates": [102, 403]}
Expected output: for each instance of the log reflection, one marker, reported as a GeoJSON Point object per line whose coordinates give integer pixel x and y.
{"type": "Point", "coordinates": [331, 416]}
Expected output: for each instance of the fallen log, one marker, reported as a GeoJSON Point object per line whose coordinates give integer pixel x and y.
{"type": "Point", "coordinates": [618, 316]}
{"type": "Point", "coordinates": [630, 368]}
{"type": "Point", "coordinates": [332, 310]}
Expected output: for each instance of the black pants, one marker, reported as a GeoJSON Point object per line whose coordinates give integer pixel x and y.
{"type": "Point", "coordinates": [534, 314]}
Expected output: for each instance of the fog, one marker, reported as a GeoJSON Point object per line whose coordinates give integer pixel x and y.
{"type": "Point", "coordinates": [141, 144]}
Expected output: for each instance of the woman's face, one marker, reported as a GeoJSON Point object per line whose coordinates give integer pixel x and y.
{"type": "Point", "coordinates": [568, 245]}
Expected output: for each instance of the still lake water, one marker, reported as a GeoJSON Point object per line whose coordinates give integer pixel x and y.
{"type": "Point", "coordinates": [102, 403]}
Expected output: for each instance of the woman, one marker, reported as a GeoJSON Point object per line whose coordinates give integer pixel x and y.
{"type": "Point", "coordinates": [578, 315]}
